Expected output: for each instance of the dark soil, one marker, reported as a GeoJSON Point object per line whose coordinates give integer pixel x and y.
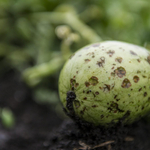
{"type": "Point", "coordinates": [39, 128]}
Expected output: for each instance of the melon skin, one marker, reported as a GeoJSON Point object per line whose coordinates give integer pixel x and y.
{"type": "Point", "coordinates": [102, 82]}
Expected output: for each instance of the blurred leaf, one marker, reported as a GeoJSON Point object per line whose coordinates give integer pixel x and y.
{"type": "Point", "coordinates": [7, 117]}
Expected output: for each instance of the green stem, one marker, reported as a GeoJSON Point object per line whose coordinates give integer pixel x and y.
{"type": "Point", "coordinates": [71, 20]}
{"type": "Point", "coordinates": [34, 75]}
{"type": "Point", "coordinates": [65, 49]}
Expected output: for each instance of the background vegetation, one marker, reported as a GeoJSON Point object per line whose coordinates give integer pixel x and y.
{"type": "Point", "coordinates": [37, 36]}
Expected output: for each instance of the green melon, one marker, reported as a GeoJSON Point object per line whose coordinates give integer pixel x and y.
{"type": "Point", "coordinates": [102, 82]}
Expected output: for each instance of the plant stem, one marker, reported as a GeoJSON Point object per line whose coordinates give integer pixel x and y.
{"type": "Point", "coordinates": [71, 20]}
{"type": "Point", "coordinates": [34, 75]}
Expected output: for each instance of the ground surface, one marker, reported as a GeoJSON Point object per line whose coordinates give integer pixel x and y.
{"type": "Point", "coordinates": [39, 128]}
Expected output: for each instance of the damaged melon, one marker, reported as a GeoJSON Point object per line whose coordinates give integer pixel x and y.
{"type": "Point", "coordinates": [103, 82]}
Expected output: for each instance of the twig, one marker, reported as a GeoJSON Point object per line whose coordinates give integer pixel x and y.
{"type": "Point", "coordinates": [104, 144]}
{"type": "Point", "coordinates": [109, 147]}
{"type": "Point", "coordinates": [87, 147]}
{"type": "Point", "coordinates": [129, 139]}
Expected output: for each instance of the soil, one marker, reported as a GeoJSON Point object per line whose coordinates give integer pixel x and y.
{"type": "Point", "coordinates": [37, 127]}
